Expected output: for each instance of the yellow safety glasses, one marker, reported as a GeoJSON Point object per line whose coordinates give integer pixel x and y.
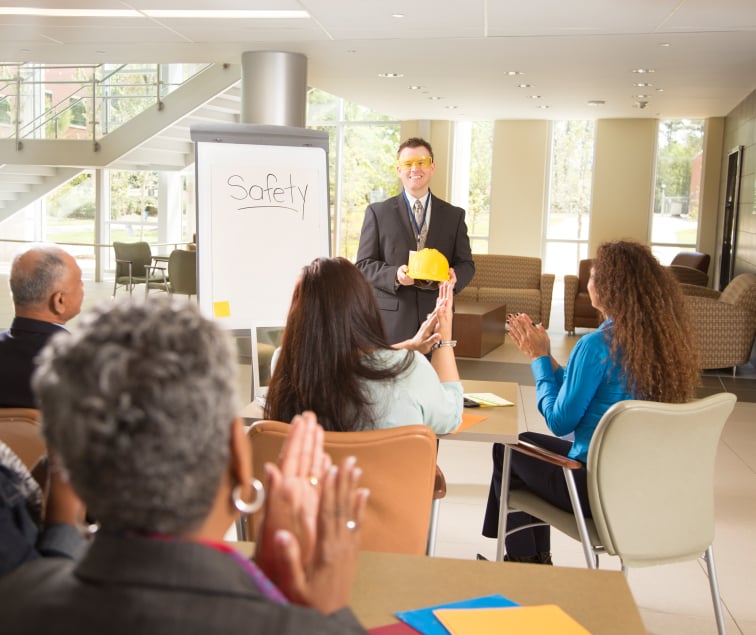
{"type": "Point", "coordinates": [418, 162]}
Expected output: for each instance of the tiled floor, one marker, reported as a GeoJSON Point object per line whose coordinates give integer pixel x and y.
{"type": "Point", "coordinates": [673, 599]}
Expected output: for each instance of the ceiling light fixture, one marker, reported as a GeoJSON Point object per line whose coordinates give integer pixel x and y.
{"type": "Point", "coordinates": [397, 15]}
{"type": "Point", "coordinates": [596, 102]}
{"type": "Point", "coordinates": [415, 87]}
{"type": "Point", "coordinates": [513, 73]}
{"type": "Point", "coordinates": [534, 96]}
{"type": "Point", "coordinates": [524, 85]}
{"type": "Point", "coordinates": [642, 84]}
{"type": "Point", "coordinates": [543, 107]}
{"type": "Point", "coordinates": [641, 96]}
{"type": "Point", "coordinates": [642, 71]}
{"type": "Point", "coordinates": [435, 98]}
{"type": "Point", "coordinates": [390, 75]}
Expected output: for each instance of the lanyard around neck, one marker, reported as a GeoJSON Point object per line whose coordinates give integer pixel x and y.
{"type": "Point", "coordinates": [413, 220]}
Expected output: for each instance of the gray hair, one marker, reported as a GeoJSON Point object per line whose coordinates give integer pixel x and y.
{"type": "Point", "coordinates": [138, 402]}
{"type": "Point", "coordinates": [32, 285]}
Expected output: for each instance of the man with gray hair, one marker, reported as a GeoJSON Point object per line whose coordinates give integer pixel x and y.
{"type": "Point", "coordinates": [47, 291]}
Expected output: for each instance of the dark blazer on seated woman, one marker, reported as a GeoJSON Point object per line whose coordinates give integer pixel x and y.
{"type": "Point", "coordinates": [127, 585]}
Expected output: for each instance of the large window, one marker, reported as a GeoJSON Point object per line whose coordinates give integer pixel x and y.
{"type": "Point", "coordinates": [569, 201]}
{"type": "Point", "coordinates": [679, 154]}
{"type": "Point", "coordinates": [362, 163]}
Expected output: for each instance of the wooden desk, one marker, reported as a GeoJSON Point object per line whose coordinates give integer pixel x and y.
{"type": "Point", "coordinates": [479, 327]}
{"type": "Point", "coordinates": [386, 582]}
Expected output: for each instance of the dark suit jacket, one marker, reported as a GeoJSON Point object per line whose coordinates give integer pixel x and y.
{"type": "Point", "coordinates": [129, 585]}
{"type": "Point", "coordinates": [385, 242]}
{"type": "Point", "coordinates": [18, 347]}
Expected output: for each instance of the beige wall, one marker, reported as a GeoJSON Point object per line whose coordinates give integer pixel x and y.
{"type": "Point", "coordinates": [518, 187]}
{"type": "Point", "coordinates": [740, 130]}
{"type": "Point", "coordinates": [711, 178]}
{"type": "Point", "coordinates": [623, 180]}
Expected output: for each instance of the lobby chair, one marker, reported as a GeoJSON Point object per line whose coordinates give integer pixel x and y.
{"type": "Point", "coordinates": [135, 265]}
{"type": "Point", "coordinates": [689, 275]}
{"type": "Point", "coordinates": [692, 259]}
{"type": "Point", "coordinates": [650, 474]}
{"type": "Point", "coordinates": [724, 324]}
{"type": "Point", "coordinates": [182, 272]}
{"type": "Point", "coordinates": [20, 431]}
{"type": "Point", "coordinates": [578, 310]}
{"type": "Point", "coordinates": [398, 466]}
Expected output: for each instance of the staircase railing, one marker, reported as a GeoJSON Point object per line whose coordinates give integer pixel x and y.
{"type": "Point", "coordinates": [43, 101]}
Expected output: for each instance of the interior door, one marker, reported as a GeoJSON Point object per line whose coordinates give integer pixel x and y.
{"type": "Point", "coordinates": [730, 227]}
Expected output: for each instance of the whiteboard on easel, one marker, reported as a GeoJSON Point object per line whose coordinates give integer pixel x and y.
{"type": "Point", "coordinates": [262, 214]}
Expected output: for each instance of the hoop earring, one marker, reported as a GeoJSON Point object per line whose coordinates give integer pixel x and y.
{"type": "Point", "coordinates": [248, 508]}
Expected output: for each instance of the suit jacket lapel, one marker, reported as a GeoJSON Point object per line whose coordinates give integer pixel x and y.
{"type": "Point", "coordinates": [436, 222]}
{"type": "Point", "coordinates": [402, 213]}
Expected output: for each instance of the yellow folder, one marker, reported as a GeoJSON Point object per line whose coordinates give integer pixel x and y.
{"type": "Point", "coordinates": [523, 620]}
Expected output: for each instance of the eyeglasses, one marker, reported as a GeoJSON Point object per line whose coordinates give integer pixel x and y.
{"type": "Point", "coordinates": [418, 162]}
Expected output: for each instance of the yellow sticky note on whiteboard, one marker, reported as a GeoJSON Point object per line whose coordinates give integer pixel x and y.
{"type": "Point", "coordinates": [222, 309]}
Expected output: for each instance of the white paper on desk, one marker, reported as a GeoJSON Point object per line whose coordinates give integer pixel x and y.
{"type": "Point", "coordinates": [488, 399]}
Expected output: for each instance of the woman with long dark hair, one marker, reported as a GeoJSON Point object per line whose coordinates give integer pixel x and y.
{"type": "Point", "coordinates": [335, 360]}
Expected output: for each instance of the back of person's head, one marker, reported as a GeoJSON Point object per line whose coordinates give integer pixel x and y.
{"type": "Point", "coordinates": [45, 283]}
{"type": "Point", "coordinates": [651, 329]}
{"type": "Point", "coordinates": [333, 323]}
{"type": "Point", "coordinates": [415, 142]}
{"type": "Point", "coordinates": [34, 273]}
{"type": "Point", "coordinates": [138, 402]}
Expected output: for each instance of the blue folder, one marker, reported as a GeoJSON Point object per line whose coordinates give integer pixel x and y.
{"type": "Point", "coordinates": [424, 621]}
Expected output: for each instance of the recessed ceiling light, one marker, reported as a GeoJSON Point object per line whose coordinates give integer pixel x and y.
{"type": "Point", "coordinates": [641, 96]}
{"type": "Point", "coordinates": [543, 106]}
{"type": "Point", "coordinates": [642, 84]}
{"type": "Point", "coordinates": [534, 96]}
{"type": "Point", "coordinates": [390, 75]}
{"type": "Point", "coordinates": [513, 73]}
{"type": "Point", "coordinates": [664, 44]}
{"type": "Point", "coordinates": [435, 98]}
{"type": "Point", "coordinates": [397, 15]}
{"type": "Point", "coordinates": [596, 102]}
{"type": "Point", "coordinates": [351, 51]}
{"type": "Point", "coordinates": [415, 87]}
{"type": "Point", "coordinates": [641, 71]}
{"type": "Point", "coordinates": [659, 90]}
{"type": "Point", "coordinates": [524, 85]}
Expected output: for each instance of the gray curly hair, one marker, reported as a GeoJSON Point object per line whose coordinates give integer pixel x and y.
{"type": "Point", "coordinates": [138, 402]}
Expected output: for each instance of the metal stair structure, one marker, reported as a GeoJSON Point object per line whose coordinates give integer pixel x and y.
{"type": "Point", "coordinates": [157, 139]}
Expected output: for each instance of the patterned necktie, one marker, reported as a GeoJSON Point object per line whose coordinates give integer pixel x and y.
{"type": "Point", "coordinates": [419, 212]}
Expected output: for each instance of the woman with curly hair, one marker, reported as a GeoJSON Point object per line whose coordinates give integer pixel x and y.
{"type": "Point", "coordinates": [335, 359]}
{"type": "Point", "coordinates": [642, 350]}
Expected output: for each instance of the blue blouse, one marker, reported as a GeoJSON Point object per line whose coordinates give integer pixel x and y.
{"type": "Point", "coordinates": [575, 398]}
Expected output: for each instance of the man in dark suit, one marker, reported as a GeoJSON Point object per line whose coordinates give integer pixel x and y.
{"type": "Point", "coordinates": [409, 222]}
{"type": "Point", "coordinates": [47, 291]}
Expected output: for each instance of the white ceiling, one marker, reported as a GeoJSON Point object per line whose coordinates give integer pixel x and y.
{"type": "Point", "coordinates": [570, 51]}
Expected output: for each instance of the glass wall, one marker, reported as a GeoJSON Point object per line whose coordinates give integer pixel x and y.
{"type": "Point", "coordinates": [679, 157]}
{"type": "Point", "coordinates": [569, 197]}
{"type": "Point", "coordinates": [362, 163]}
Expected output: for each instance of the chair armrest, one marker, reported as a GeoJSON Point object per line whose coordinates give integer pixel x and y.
{"type": "Point", "coordinates": [570, 292]}
{"type": "Point", "coordinates": [697, 290]}
{"type": "Point", "coordinates": [439, 484]}
{"type": "Point", "coordinates": [547, 290]}
{"type": "Point", "coordinates": [537, 452]}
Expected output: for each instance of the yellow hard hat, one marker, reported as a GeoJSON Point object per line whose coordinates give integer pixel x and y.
{"type": "Point", "coordinates": [428, 264]}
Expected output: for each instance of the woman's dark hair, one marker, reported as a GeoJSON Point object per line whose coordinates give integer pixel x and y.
{"type": "Point", "coordinates": [651, 331]}
{"type": "Point", "coordinates": [333, 325]}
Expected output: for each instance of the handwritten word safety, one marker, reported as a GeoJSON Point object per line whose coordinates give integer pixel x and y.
{"type": "Point", "coordinates": [273, 193]}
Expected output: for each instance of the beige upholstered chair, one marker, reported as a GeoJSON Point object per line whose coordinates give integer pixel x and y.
{"type": "Point", "coordinates": [650, 479]}
{"type": "Point", "coordinates": [398, 466]}
{"type": "Point", "coordinates": [516, 281]}
{"type": "Point", "coordinates": [20, 431]}
{"type": "Point", "coordinates": [578, 310]}
{"type": "Point", "coordinates": [724, 324]}
{"type": "Point", "coordinates": [182, 272]}
{"type": "Point", "coordinates": [135, 265]}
